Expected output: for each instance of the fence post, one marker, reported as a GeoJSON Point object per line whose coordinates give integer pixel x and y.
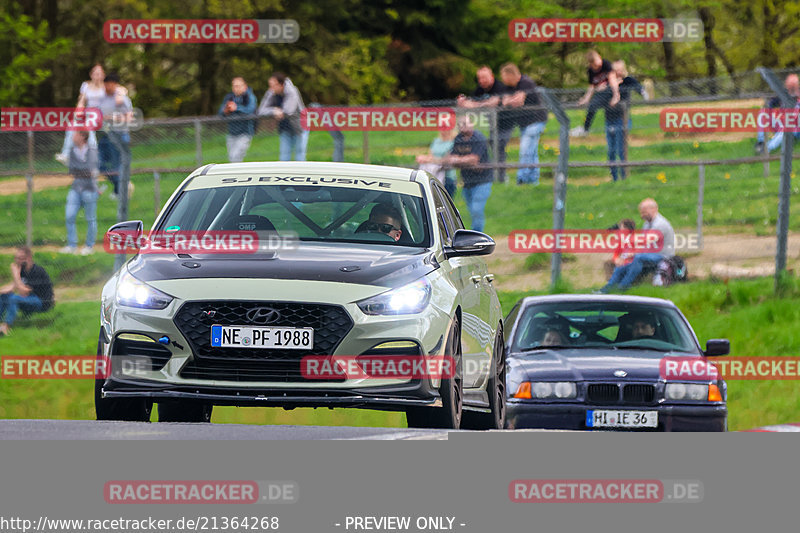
{"type": "Point", "coordinates": [560, 180]}
{"type": "Point", "coordinates": [29, 199]}
{"type": "Point", "coordinates": [701, 187]}
{"type": "Point", "coordinates": [198, 142]}
{"type": "Point", "coordinates": [785, 189]}
{"type": "Point", "coordinates": [366, 147]}
{"type": "Point", "coordinates": [156, 191]}
{"type": "Point", "coordinates": [494, 136]}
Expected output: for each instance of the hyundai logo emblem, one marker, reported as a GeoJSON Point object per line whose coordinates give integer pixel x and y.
{"type": "Point", "coordinates": [620, 373]}
{"type": "Point", "coordinates": [263, 315]}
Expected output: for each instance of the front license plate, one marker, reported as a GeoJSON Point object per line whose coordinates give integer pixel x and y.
{"type": "Point", "coordinates": [284, 338]}
{"type": "Point", "coordinates": [621, 419]}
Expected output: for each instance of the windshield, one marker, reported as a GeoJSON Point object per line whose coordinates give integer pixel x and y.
{"type": "Point", "coordinates": [602, 325]}
{"type": "Point", "coordinates": [307, 212]}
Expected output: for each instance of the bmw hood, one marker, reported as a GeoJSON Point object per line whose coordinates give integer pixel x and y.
{"type": "Point", "coordinates": [587, 365]}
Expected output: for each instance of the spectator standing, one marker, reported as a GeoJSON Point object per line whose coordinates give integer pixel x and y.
{"type": "Point", "coordinates": [616, 130]}
{"type": "Point", "coordinates": [283, 102]}
{"type": "Point", "coordinates": [603, 90]}
{"type": "Point", "coordinates": [113, 141]}
{"type": "Point", "coordinates": [471, 148]}
{"type": "Point", "coordinates": [240, 102]}
{"type": "Point", "coordinates": [487, 95]}
{"type": "Point", "coordinates": [625, 275]}
{"type": "Point", "coordinates": [338, 139]}
{"type": "Point", "coordinates": [83, 193]}
{"type": "Point", "coordinates": [522, 93]}
{"type": "Point", "coordinates": [440, 148]}
{"type": "Point", "coordinates": [91, 89]}
{"type": "Point", "coordinates": [30, 290]}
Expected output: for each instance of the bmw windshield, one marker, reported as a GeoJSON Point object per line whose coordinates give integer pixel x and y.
{"type": "Point", "coordinates": [603, 325]}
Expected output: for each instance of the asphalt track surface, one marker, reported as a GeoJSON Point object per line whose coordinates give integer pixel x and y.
{"type": "Point", "coordinates": [94, 430]}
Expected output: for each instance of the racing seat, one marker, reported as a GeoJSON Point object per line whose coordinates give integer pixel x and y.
{"type": "Point", "coordinates": [248, 223]}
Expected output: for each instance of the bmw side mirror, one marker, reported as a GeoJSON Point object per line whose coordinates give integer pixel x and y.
{"type": "Point", "coordinates": [715, 347]}
{"type": "Point", "coordinates": [469, 242]}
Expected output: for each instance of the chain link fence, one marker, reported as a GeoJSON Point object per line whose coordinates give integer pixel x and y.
{"type": "Point", "coordinates": [719, 195]}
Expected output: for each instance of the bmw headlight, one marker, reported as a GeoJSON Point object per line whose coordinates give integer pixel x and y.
{"type": "Point", "coordinates": [406, 300]}
{"type": "Point", "coordinates": [557, 389]}
{"type": "Point", "coordinates": [685, 391]}
{"type": "Point", "coordinates": [135, 293]}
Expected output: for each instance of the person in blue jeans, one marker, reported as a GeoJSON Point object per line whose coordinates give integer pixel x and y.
{"type": "Point", "coordinates": [624, 276]}
{"type": "Point", "coordinates": [470, 148]}
{"type": "Point", "coordinates": [283, 102]}
{"type": "Point", "coordinates": [792, 85]}
{"type": "Point", "coordinates": [83, 193]}
{"type": "Point", "coordinates": [30, 290]}
{"type": "Point", "coordinates": [615, 116]}
{"type": "Point", "coordinates": [240, 102]}
{"type": "Point", "coordinates": [531, 117]}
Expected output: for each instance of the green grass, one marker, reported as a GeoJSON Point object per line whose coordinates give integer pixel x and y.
{"type": "Point", "coordinates": [757, 324]}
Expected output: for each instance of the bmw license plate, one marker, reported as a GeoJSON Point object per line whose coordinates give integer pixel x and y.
{"type": "Point", "coordinates": [621, 419]}
{"type": "Point", "coordinates": [284, 338]}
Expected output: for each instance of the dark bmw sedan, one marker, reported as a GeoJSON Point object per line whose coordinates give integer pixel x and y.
{"type": "Point", "coordinates": [596, 362]}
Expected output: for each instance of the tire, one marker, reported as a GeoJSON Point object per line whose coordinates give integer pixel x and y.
{"type": "Point", "coordinates": [451, 392]}
{"type": "Point", "coordinates": [184, 411]}
{"type": "Point", "coordinates": [124, 409]}
{"type": "Point", "coordinates": [496, 390]}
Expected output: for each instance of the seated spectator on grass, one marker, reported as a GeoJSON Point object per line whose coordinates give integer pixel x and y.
{"type": "Point", "coordinates": [624, 276]}
{"type": "Point", "coordinates": [83, 192]}
{"type": "Point", "coordinates": [620, 257]}
{"type": "Point", "coordinates": [240, 102]}
{"type": "Point", "coordinates": [470, 148]}
{"type": "Point", "coordinates": [432, 162]}
{"type": "Point", "coordinates": [30, 290]}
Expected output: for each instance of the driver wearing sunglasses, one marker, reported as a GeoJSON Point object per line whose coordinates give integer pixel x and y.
{"type": "Point", "coordinates": [384, 218]}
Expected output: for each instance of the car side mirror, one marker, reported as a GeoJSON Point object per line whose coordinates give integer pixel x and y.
{"type": "Point", "coordinates": [715, 347]}
{"type": "Point", "coordinates": [121, 234]}
{"type": "Point", "coordinates": [469, 242]}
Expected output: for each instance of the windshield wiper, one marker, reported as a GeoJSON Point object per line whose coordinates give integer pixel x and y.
{"type": "Point", "coordinates": [640, 348]}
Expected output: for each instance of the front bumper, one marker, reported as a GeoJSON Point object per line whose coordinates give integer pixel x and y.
{"type": "Point", "coordinates": [392, 398]}
{"type": "Point", "coordinates": [525, 414]}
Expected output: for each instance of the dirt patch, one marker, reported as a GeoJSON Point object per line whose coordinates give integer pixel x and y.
{"type": "Point", "coordinates": [40, 183]}
{"type": "Point", "coordinates": [735, 251]}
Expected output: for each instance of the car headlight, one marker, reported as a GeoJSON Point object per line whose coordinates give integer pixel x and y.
{"type": "Point", "coordinates": [134, 293]}
{"type": "Point", "coordinates": [542, 390]}
{"type": "Point", "coordinates": [406, 300]}
{"type": "Point", "coordinates": [685, 391]}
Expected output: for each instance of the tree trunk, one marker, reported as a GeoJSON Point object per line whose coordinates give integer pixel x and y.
{"type": "Point", "coordinates": [711, 61]}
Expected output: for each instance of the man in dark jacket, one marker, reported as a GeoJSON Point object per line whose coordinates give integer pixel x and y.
{"type": "Point", "coordinates": [238, 104]}
{"type": "Point", "coordinates": [530, 116]}
{"type": "Point", "coordinates": [29, 290]}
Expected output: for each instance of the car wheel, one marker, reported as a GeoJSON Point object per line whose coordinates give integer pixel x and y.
{"type": "Point", "coordinates": [451, 391]}
{"type": "Point", "coordinates": [496, 390]}
{"type": "Point", "coordinates": [125, 409]}
{"type": "Point", "coordinates": [183, 411]}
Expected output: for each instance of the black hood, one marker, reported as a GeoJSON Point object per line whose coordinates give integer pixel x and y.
{"type": "Point", "coordinates": [385, 266]}
{"type": "Point", "coordinates": [590, 364]}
